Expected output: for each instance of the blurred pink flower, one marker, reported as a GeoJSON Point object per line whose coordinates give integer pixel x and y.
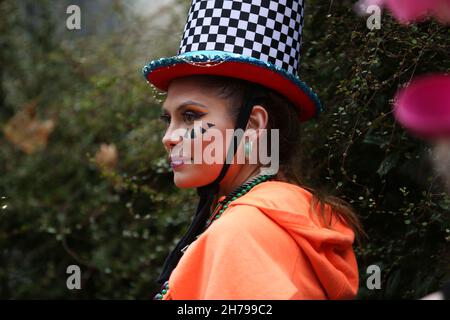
{"type": "Point", "coordinates": [424, 106]}
{"type": "Point", "coordinates": [413, 10]}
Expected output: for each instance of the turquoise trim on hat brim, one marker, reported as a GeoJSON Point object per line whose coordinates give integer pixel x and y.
{"type": "Point", "coordinates": [219, 57]}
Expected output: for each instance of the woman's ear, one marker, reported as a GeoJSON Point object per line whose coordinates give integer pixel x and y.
{"type": "Point", "coordinates": [256, 127]}
{"type": "Point", "coordinates": [258, 118]}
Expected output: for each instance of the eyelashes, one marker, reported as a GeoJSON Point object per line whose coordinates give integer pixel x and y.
{"type": "Point", "coordinates": [191, 116]}
{"type": "Point", "coordinates": [188, 117]}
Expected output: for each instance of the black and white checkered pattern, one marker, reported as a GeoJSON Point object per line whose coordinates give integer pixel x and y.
{"type": "Point", "coordinates": [268, 30]}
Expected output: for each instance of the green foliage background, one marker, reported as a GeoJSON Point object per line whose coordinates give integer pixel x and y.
{"type": "Point", "coordinates": [118, 226]}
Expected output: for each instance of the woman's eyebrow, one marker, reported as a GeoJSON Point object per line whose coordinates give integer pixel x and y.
{"type": "Point", "coordinates": [187, 103]}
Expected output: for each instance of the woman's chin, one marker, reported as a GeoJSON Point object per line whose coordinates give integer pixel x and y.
{"type": "Point", "coordinates": [185, 180]}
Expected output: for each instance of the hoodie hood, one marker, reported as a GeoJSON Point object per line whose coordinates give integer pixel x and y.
{"type": "Point", "coordinates": [329, 249]}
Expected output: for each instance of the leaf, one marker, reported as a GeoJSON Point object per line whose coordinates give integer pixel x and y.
{"type": "Point", "coordinates": [26, 131]}
{"type": "Point", "coordinates": [371, 138]}
{"type": "Point", "coordinates": [388, 163]}
{"type": "Point", "coordinates": [392, 284]}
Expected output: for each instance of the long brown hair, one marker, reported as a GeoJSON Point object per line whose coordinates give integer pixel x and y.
{"type": "Point", "coordinates": [284, 117]}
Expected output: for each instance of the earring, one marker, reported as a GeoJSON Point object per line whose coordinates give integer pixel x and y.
{"type": "Point", "coordinates": [248, 149]}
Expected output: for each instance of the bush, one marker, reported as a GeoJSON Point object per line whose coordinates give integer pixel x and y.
{"type": "Point", "coordinates": [113, 209]}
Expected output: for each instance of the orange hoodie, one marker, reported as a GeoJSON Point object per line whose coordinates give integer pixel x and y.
{"type": "Point", "coordinates": [268, 245]}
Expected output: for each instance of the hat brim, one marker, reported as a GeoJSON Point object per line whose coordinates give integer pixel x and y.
{"type": "Point", "coordinates": [162, 71]}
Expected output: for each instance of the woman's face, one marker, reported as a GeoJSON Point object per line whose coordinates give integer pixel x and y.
{"type": "Point", "coordinates": [189, 107]}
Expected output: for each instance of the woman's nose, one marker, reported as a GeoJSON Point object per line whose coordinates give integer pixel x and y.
{"type": "Point", "coordinates": [172, 137]}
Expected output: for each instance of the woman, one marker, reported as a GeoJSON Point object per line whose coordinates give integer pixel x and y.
{"type": "Point", "coordinates": [257, 233]}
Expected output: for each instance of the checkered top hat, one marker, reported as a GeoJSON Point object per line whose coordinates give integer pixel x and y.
{"type": "Point", "coordinates": [254, 40]}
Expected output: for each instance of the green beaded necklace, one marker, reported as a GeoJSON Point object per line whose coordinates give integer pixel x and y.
{"type": "Point", "coordinates": [219, 209]}
{"type": "Point", "coordinates": [239, 191]}
{"type": "Point", "coordinates": [164, 289]}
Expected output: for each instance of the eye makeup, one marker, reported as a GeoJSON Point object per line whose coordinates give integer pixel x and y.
{"type": "Point", "coordinates": [203, 130]}
{"type": "Point", "coordinates": [188, 116]}
{"type": "Point", "coordinates": [185, 104]}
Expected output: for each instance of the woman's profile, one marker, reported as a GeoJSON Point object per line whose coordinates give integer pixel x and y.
{"type": "Point", "coordinates": [258, 232]}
